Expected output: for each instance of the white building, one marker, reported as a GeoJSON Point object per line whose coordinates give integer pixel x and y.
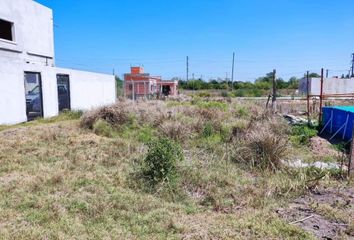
{"type": "Point", "coordinates": [30, 84]}
{"type": "Point", "coordinates": [330, 86]}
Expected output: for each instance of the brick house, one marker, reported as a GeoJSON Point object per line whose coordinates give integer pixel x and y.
{"type": "Point", "coordinates": [138, 84]}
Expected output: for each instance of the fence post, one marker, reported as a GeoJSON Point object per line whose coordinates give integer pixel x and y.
{"type": "Point", "coordinates": [321, 99]}
{"type": "Point", "coordinates": [351, 156]}
{"type": "Point", "coordinates": [308, 98]}
{"type": "Point", "coordinates": [274, 99]}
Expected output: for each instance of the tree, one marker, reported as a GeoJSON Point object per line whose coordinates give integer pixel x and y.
{"type": "Point", "coordinates": [119, 86]}
{"type": "Point", "coordinates": [293, 83]}
{"type": "Point", "coordinates": [313, 75]}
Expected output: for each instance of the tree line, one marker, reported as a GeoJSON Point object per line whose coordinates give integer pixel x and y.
{"type": "Point", "coordinates": [261, 83]}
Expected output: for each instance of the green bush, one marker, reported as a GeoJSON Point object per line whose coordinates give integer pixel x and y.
{"type": "Point", "coordinates": [161, 160]}
{"type": "Point", "coordinates": [302, 134]}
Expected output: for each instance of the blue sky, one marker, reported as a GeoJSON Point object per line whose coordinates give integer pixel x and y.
{"type": "Point", "coordinates": [290, 35]}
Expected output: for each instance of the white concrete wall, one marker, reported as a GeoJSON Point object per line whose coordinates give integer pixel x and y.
{"type": "Point", "coordinates": [33, 31]}
{"type": "Point", "coordinates": [12, 94]}
{"type": "Point", "coordinates": [87, 90]}
{"type": "Point", "coordinates": [330, 86]}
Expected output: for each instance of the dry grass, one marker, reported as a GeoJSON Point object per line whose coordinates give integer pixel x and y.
{"type": "Point", "coordinates": [261, 142]}
{"type": "Point", "coordinates": [116, 115]}
{"type": "Point", "coordinates": [175, 130]}
{"type": "Point", "coordinates": [62, 181]}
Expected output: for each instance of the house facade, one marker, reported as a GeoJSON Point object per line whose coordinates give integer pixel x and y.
{"type": "Point", "coordinates": [138, 84]}
{"type": "Point", "coordinates": [31, 85]}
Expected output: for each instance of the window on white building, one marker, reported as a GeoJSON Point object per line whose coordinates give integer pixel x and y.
{"type": "Point", "coordinates": [6, 30]}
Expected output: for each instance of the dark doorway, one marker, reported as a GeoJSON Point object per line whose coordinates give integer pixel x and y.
{"type": "Point", "coordinates": [63, 83]}
{"type": "Point", "coordinates": [166, 90]}
{"type": "Point", "coordinates": [33, 90]}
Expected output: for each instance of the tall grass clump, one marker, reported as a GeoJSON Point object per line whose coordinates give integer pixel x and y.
{"type": "Point", "coordinates": [175, 130]}
{"type": "Point", "coordinates": [263, 145]}
{"type": "Point", "coordinates": [160, 163]}
{"type": "Point", "coordinates": [267, 148]}
{"type": "Point", "coordinates": [114, 115]}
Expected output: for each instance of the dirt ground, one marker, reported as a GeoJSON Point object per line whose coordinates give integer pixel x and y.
{"type": "Point", "coordinates": [321, 147]}
{"type": "Point", "coordinates": [319, 213]}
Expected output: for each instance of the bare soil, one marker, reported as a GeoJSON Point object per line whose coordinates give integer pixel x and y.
{"type": "Point", "coordinates": [303, 213]}
{"type": "Point", "coordinates": [322, 148]}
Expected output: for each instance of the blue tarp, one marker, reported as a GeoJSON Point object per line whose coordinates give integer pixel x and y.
{"type": "Point", "coordinates": [339, 116]}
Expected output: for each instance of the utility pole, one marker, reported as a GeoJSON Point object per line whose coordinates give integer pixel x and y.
{"type": "Point", "coordinates": [233, 69]}
{"type": "Point", "coordinates": [327, 72]}
{"type": "Point", "coordinates": [274, 98]}
{"type": "Point", "coordinates": [352, 66]}
{"type": "Point", "coordinates": [187, 68]}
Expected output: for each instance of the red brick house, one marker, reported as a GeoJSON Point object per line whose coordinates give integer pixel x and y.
{"type": "Point", "coordinates": [138, 84]}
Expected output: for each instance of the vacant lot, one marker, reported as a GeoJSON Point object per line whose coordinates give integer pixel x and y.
{"type": "Point", "coordinates": [92, 178]}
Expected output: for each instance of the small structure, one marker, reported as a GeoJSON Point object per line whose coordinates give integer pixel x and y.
{"type": "Point", "coordinates": [138, 84]}
{"type": "Point", "coordinates": [338, 122]}
{"type": "Point", "coordinates": [324, 88]}
{"type": "Point", "coordinates": [31, 85]}
{"type": "Point", "coordinates": [332, 86]}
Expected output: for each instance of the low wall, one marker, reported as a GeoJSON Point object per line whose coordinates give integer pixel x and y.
{"type": "Point", "coordinates": [87, 90]}
{"type": "Point", "coordinates": [330, 86]}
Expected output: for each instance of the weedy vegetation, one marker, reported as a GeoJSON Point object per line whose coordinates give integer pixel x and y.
{"type": "Point", "coordinates": [200, 168]}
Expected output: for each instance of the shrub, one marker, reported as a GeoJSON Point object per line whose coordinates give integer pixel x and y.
{"type": "Point", "coordinates": [161, 160]}
{"type": "Point", "coordinates": [302, 134]}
